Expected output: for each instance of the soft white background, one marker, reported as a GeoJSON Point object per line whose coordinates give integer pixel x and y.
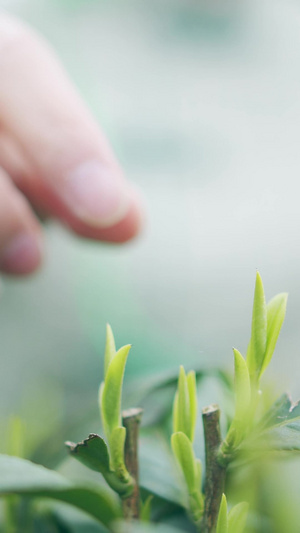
{"type": "Point", "coordinates": [201, 102]}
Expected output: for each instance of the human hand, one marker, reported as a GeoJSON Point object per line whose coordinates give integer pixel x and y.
{"type": "Point", "coordinates": [52, 156]}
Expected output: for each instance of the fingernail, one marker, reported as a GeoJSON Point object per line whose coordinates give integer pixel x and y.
{"type": "Point", "coordinates": [21, 255]}
{"type": "Point", "coordinates": [95, 194]}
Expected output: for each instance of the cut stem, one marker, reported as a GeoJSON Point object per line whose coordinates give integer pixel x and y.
{"type": "Point", "coordinates": [215, 473]}
{"type": "Point", "coordinates": [131, 421]}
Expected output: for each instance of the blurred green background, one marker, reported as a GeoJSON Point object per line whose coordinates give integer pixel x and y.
{"type": "Point", "coordinates": [200, 101]}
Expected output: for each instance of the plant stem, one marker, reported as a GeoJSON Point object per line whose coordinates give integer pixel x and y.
{"type": "Point", "coordinates": [215, 473]}
{"type": "Point", "coordinates": [131, 421]}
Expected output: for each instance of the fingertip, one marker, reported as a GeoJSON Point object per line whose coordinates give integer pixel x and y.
{"type": "Point", "coordinates": [129, 227]}
{"type": "Point", "coordinates": [132, 223]}
{"type": "Point", "coordinates": [22, 255]}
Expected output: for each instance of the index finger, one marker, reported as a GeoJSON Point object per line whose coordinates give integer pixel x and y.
{"type": "Point", "coordinates": [73, 172]}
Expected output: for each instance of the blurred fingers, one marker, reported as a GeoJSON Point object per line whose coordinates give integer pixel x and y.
{"type": "Point", "coordinates": [20, 238]}
{"type": "Point", "coordinates": [72, 171]}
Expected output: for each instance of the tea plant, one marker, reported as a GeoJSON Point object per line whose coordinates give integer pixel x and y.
{"type": "Point", "coordinates": [256, 429]}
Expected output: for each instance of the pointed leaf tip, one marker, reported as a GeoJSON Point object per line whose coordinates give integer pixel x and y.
{"type": "Point", "coordinates": [112, 391]}
{"type": "Point", "coordinates": [258, 341]}
{"type": "Point", "coordinates": [110, 348]}
{"type": "Point", "coordinates": [182, 405]}
{"type": "Point", "coordinates": [222, 523]}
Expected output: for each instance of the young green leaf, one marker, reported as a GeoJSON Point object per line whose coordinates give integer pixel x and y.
{"type": "Point", "coordinates": [237, 518]}
{"type": "Point", "coordinates": [192, 390]}
{"type": "Point", "coordinates": [110, 348]}
{"type": "Point", "coordinates": [184, 453]}
{"type": "Point", "coordinates": [112, 390]}
{"type": "Point", "coordinates": [116, 447]}
{"type": "Point", "coordinates": [182, 414]}
{"type": "Point", "coordinates": [258, 341]}
{"type": "Point", "coordinates": [242, 385]}
{"type": "Point", "coordinates": [276, 310]}
{"type": "Point", "coordinates": [222, 523]}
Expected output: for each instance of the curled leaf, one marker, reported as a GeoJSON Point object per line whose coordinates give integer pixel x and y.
{"type": "Point", "coordinates": [93, 453]}
{"type": "Point", "coordinates": [112, 390]}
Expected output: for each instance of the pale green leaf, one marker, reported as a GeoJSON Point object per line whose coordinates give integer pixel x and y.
{"type": "Point", "coordinates": [242, 385]}
{"type": "Point", "coordinates": [276, 310]}
{"type": "Point", "coordinates": [222, 523]}
{"type": "Point", "coordinates": [237, 518]}
{"type": "Point", "coordinates": [112, 392]}
{"type": "Point", "coordinates": [110, 348]}
{"type": "Point", "coordinates": [182, 422]}
{"type": "Point", "coordinates": [258, 341]}
{"type": "Point", "coordinates": [192, 390]}
{"type": "Point", "coordinates": [116, 446]}
{"type": "Point", "coordinates": [282, 412]}
{"type": "Point", "coordinates": [184, 453]}
{"type": "Point", "coordinates": [284, 438]}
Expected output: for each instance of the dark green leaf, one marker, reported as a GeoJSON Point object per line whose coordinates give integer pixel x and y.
{"type": "Point", "coordinates": [18, 476]}
{"type": "Point", "coordinates": [92, 452]}
{"type": "Point", "coordinates": [138, 527]}
{"type": "Point", "coordinates": [158, 470]}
